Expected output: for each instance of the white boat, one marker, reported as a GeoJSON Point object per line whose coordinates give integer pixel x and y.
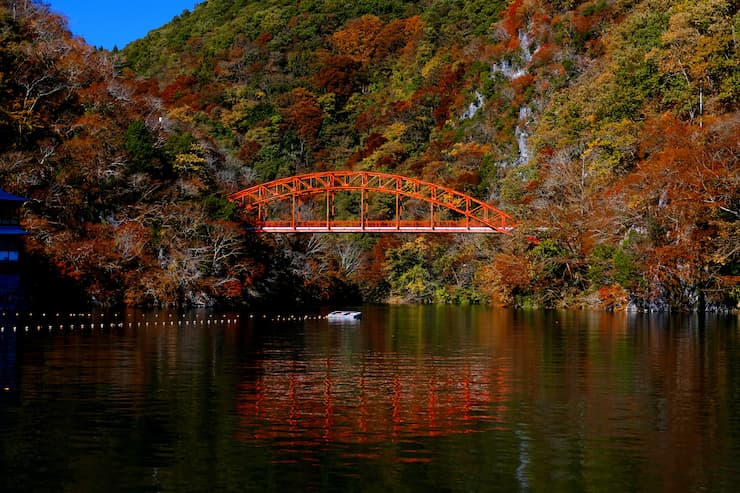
{"type": "Point", "coordinates": [344, 315]}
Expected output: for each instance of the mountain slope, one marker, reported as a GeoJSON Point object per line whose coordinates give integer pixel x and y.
{"type": "Point", "coordinates": [608, 128]}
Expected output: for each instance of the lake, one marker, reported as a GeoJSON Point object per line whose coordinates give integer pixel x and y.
{"type": "Point", "coordinates": [410, 399]}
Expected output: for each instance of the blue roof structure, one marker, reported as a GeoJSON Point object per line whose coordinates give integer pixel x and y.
{"type": "Point", "coordinates": [12, 230]}
{"type": "Point", "coordinates": [9, 197]}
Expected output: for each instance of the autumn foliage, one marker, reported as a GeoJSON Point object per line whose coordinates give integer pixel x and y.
{"type": "Point", "coordinates": [609, 130]}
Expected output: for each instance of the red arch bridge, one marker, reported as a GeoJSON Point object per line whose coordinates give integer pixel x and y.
{"type": "Point", "coordinates": [365, 201]}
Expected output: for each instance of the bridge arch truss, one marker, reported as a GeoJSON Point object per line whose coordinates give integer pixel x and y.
{"type": "Point", "coordinates": [447, 210]}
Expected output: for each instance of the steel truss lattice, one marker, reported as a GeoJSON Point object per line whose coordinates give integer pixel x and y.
{"type": "Point", "coordinates": [449, 211]}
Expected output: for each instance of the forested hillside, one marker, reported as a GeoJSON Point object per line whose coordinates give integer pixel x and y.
{"type": "Point", "coordinates": [609, 129]}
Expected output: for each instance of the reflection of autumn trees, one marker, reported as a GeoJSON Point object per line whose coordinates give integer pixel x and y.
{"type": "Point", "coordinates": [585, 394]}
{"type": "Point", "coordinates": [578, 388]}
{"type": "Point", "coordinates": [371, 401]}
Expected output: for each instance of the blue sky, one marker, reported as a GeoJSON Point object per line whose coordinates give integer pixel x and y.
{"type": "Point", "coordinates": [110, 23]}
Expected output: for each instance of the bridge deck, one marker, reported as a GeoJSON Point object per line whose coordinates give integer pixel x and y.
{"type": "Point", "coordinates": [373, 227]}
{"type": "Point", "coordinates": [376, 229]}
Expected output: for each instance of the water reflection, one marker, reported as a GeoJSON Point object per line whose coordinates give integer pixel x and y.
{"type": "Point", "coordinates": [414, 398]}
{"type": "Point", "coordinates": [8, 380]}
{"type": "Point", "coordinates": [588, 395]}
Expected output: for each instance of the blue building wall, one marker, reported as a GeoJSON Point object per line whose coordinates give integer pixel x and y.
{"type": "Point", "coordinates": [11, 250]}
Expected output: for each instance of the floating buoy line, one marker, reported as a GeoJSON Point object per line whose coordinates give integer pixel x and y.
{"type": "Point", "coordinates": [89, 321]}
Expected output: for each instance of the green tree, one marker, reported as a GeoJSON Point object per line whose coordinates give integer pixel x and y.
{"type": "Point", "coordinates": [139, 145]}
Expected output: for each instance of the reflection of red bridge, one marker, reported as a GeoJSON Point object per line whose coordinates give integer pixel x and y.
{"type": "Point", "coordinates": [370, 202]}
{"type": "Point", "coordinates": [316, 400]}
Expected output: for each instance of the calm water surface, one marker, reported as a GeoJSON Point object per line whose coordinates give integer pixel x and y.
{"type": "Point", "coordinates": [411, 399]}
